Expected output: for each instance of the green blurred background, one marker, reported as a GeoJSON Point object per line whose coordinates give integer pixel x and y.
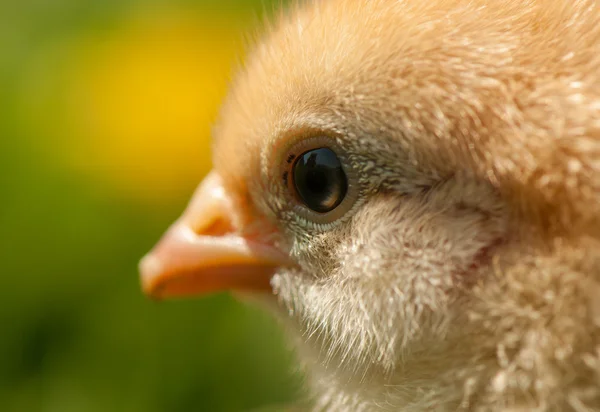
{"type": "Point", "coordinates": [105, 115]}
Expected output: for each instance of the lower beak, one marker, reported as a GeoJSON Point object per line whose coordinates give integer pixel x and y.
{"type": "Point", "coordinates": [205, 250]}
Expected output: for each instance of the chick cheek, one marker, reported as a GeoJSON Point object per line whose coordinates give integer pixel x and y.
{"type": "Point", "coordinates": [193, 258]}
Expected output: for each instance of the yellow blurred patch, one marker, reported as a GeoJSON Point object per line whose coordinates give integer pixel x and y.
{"type": "Point", "coordinates": [139, 102]}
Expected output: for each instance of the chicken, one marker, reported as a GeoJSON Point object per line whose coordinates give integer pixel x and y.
{"type": "Point", "coordinates": [414, 188]}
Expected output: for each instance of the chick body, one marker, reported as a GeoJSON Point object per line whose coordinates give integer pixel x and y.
{"type": "Point", "coordinates": [465, 274]}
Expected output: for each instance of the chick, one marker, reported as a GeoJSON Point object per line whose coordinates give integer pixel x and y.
{"type": "Point", "coordinates": [416, 186]}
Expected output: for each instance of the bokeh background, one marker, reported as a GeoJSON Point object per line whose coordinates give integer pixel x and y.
{"type": "Point", "coordinates": [105, 115]}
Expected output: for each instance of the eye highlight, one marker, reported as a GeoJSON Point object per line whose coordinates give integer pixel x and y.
{"type": "Point", "coordinates": [319, 179]}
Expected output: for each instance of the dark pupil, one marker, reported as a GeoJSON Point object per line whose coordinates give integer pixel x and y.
{"type": "Point", "coordinates": [320, 180]}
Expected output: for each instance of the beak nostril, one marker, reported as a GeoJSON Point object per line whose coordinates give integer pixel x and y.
{"type": "Point", "coordinates": [219, 227]}
{"type": "Point", "coordinates": [212, 211]}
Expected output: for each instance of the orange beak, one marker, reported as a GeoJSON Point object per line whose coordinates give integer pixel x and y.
{"type": "Point", "coordinates": [204, 250]}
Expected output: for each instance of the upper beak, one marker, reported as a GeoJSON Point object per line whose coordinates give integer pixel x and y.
{"type": "Point", "coordinates": [206, 249]}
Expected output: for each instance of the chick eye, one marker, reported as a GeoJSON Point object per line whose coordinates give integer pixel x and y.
{"type": "Point", "coordinates": [320, 185]}
{"type": "Point", "coordinates": [319, 179]}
